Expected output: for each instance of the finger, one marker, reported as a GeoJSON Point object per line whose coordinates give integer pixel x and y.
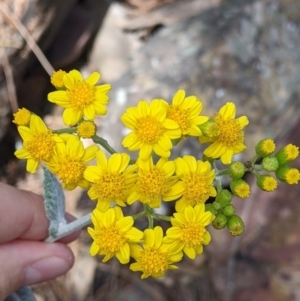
{"type": "Point", "coordinates": [25, 263]}
{"type": "Point", "coordinates": [23, 214]}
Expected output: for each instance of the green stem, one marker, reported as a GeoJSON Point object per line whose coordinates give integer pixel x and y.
{"type": "Point", "coordinates": [65, 131]}
{"type": "Point", "coordinates": [258, 167]}
{"type": "Point", "coordinates": [104, 144]}
{"type": "Point", "coordinates": [160, 216]}
{"type": "Point", "coordinates": [150, 221]}
{"type": "Point", "coordinates": [255, 158]}
{"type": "Point", "coordinates": [138, 215]}
{"type": "Point", "coordinates": [222, 172]}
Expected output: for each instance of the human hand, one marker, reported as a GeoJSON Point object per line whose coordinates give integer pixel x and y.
{"type": "Point", "coordinates": [24, 258]}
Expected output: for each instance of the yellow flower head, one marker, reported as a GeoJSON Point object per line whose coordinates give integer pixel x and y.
{"type": "Point", "coordinates": [151, 129]}
{"type": "Point", "coordinates": [155, 257]}
{"type": "Point", "coordinates": [196, 183]}
{"type": "Point", "coordinates": [265, 147]}
{"type": "Point", "coordinates": [188, 232]}
{"type": "Point", "coordinates": [289, 175]}
{"type": "Point", "coordinates": [267, 183]}
{"type": "Point", "coordinates": [113, 234]}
{"type": "Point", "coordinates": [57, 79]}
{"type": "Point", "coordinates": [69, 162]}
{"type": "Point", "coordinates": [230, 140]}
{"type": "Point", "coordinates": [185, 111]}
{"type": "Point", "coordinates": [38, 143]}
{"type": "Point", "coordinates": [81, 98]}
{"type": "Point", "coordinates": [287, 154]}
{"type": "Point", "coordinates": [22, 117]}
{"type": "Point", "coordinates": [111, 179]}
{"type": "Point", "coordinates": [154, 183]}
{"type": "Point", "coordinates": [240, 188]}
{"type": "Point", "coordinates": [86, 129]}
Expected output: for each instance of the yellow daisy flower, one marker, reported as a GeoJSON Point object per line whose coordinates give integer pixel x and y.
{"type": "Point", "coordinates": [57, 79]}
{"type": "Point", "coordinates": [38, 143]}
{"type": "Point", "coordinates": [230, 140]}
{"type": "Point", "coordinates": [185, 111]}
{"type": "Point", "coordinates": [111, 179]}
{"type": "Point", "coordinates": [155, 257]}
{"type": "Point", "coordinates": [22, 117]}
{"type": "Point", "coordinates": [86, 129]}
{"type": "Point", "coordinates": [154, 183]}
{"type": "Point", "coordinates": [196, 182]}
{"type": "Point", "coordinates": [70, 161]}
{"type": "Point", "coordinates": [81, 98]}
{"type": "Point", "coordinates": [151, 129]}
{"type": "Point", "coordinates": [113, 234]}
{"type": "Point", "coordinates": [188, 232]}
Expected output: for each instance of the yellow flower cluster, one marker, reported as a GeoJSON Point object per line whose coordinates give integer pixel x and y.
{"type": "Point", "coordinates": [153, 179]}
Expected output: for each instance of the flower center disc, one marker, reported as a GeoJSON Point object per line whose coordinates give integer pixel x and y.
{"type": "Point", "coordinates": [149, 130]}
{"type": "Point", "coordinates": [81, 95]}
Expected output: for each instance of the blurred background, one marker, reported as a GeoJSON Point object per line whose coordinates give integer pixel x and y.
{"type": "Point", "coordinates": [245, 51]}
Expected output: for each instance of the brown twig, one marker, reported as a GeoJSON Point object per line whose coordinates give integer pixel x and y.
{"type": "Point", "coordinates": [11, 88]}
{"type": "Point", "coordinates": [12, 19]}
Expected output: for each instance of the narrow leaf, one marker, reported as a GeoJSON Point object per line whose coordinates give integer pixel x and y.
{"type": "Point", "coordinates": [54, 202]}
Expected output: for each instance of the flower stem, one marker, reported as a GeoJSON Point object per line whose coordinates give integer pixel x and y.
{"type": "Point", "coordinates": [65, 131]}
{"type": "Point", "coordinates": [104, 144]}
{"type": "Point", "coordinates": [160, 216]}
{"type": "Point", "coordinates": [70, 228]}
{"type": "Point", "coordinates": [138, 215]}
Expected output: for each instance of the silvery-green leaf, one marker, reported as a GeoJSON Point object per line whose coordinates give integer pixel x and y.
{"type": "Point", "coordinates": [22, 294]}
{"type": "Point", "coordinates": [54, 202]}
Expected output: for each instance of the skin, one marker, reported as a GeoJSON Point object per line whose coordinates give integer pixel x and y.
{"type": "Point", "coordinates": [24, 258]}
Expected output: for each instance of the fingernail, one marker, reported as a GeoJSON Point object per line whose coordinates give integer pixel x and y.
{"type": "Point", "coordinates": [45, 269]}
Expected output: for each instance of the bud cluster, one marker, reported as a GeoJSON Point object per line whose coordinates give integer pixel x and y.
{"type": "Point", "coordinates": [224, 213]}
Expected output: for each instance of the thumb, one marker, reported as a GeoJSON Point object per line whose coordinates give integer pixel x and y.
{"type": "Point", "coordinates": [30, 262]}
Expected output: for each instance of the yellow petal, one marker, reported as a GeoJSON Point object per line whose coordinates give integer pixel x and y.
{"type": "Point", "coordinates": [124, 254]}
{"type": "Point", "coordinates": [93, 78]}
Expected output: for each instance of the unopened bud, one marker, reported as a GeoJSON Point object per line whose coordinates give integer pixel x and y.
{"type": "Point", "coordinates": [22, 117]}
{"type": "Point", "coordinates": [224, 197]}
{"type": "Point", "coordinates": [209, 128]}
{"type": "Point", "coordinates": [265, 147]}
{"type": "Point", "coordinates": [266, 182]}
{"type": "Point", "coordinates": [270, 164]}
{"type": "Point", "coordinates": [240, 188]}
{"type": "Point", "coordinates": [220, 221]}
{"type": "Point", "coordinates": [287, 154]}
{"type": "Point", "coordinates": [228, 210]}
{"type": "Point", "coordinates": [288, 175]}
{"type": "Point", "coordinates": [210, 208]}
{"type": "Point", "coordinates": [235, 225]}
{"type": "Point", "coordinates": [236, 170]}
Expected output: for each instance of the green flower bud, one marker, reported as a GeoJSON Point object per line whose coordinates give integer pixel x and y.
{"type": "Point", "coordinates": [210, 208]}
{"type": "Point", "coordinates": [240, 188]}
{"type": "Point", "coordinates": [216, 205]}
{"type": "Point", "coordinates": [265, 147]}
{"type": "Point", "coordinates": [236, 170]}
{"type": "Point", "coordinates": [228, 210]}
{"type": "Point", "coordinates": [287, 154]}
{"type": "Point", "coordinates": [220, 221]}
{"type": "Point", "coordinates": [210, 128]}
{"type": "Point", "coordinates": [266, 182]}
{"type": "Point", "coordinates": [288, 175]}
{"type": "Point", "coordinates": [235, 225]}
{"type": "Point", "coordinates": [270, 164]}
{"type": "Point", "coordinates": [224, 197]}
